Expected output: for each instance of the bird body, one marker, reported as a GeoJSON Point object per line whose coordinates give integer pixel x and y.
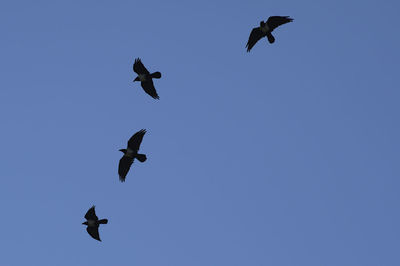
{"type": "Point", "coordinates": [265, 30]}
{"type": "Point", "coordinates": [142, 77]}
{"type": "Point", "coordinates": [264, 27]}
{"type": "Point", "coordinates": [146, 78]}
{"type": "Point", "coordinates": [93, 223]}
{"type": "Point", "coordinates": [130, 153]}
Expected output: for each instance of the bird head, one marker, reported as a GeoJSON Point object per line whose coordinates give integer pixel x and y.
{"type": "Point", "coordinates": [85, 223]}
{"type": "Point", "coordinates": [136, 79]}
{"type": "Point", "coordinates": [123, 150]}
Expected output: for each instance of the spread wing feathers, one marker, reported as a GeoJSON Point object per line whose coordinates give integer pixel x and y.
{"type": "Point", "coordinates": [148, 87]}
{"type": "Point", "coordinates": [275, 21]}
{"type": "Point", "coordinates": [124, 166]}
{"type": "Point", "coordinates": [139, 68]}
{"type": "Point", "coordinates": [255, 35]}
{"type": "Point", "coordinates": [91, 214]}
{"type": "Point", "coordinates": [135, 141]}
{"type": "Point", "coordinates": [94, 232]}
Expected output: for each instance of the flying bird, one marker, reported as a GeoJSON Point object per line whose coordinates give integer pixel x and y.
{"type": "Point", "coordinates": [130, 154]}
{"type": "Point", "coordinates": [93, 223]}
{"type": "Point", "coordinates": [266, 29]}
{"type": "Point", "coordinates": [145, 78]}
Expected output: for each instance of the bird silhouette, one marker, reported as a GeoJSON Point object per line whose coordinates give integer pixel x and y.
{"type": "Point", "coordinates": [130, 154]}
{"type": "Point", "coordinates": [266, 29]}
{"type": "Point", "coordinates": [145, 78]}
{"type": "Point", "coordinates": [93, 223]}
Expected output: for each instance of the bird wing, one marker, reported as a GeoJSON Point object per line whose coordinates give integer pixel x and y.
{"type": "Point", "coordinates": [275, 21]}
{"type": "Point", "coordinates": [255, 35]}
{"type": "Point", "coordinates": [91, 214]}
{"type": "Point", "coordinates": [135, 141]}
{"type": "Point", "coordinates": [93, 232]}
{"type": "Point", "coordinates": [148, 87]}
{"type": "Point", "coordinates": [124, 166]}
{"type": "Point", "coordinates": [139, 68]}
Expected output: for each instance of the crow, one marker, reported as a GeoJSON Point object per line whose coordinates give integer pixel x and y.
{"type": "Point", "coordinates": [265, 29]}
{"type": "Point", "coordinates": [93, 223]}
{"type": "Point", "coordinates": [145, 78]}
{"type": "Point", "coordinates": [130, 154]}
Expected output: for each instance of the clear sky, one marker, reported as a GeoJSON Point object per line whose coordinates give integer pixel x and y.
{"type": "Point", "coordinates": [284, 156]}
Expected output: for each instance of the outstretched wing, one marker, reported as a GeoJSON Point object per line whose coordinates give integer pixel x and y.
{"type": "Point", "coordinates": [255, 35]}
{"type": "Point", "coordinates": [124, 166]}
{"type": "Point", "coordinates": [148, 87]}
{"type": "Point", "coordinates": [139, 68]}
{"type": "Point", "coordinates": [91, 214]}
{"type": "Point", "coordinates": [275, 21]}
{"type": "Point", "coordinates": [94, 232]}
{"type": "Point", "coordinates": [135, 141]}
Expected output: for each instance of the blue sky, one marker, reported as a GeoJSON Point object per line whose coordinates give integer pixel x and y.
{"type": "Point", "coordinates": [285, 156]}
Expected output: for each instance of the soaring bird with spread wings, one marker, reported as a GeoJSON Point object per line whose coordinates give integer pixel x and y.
{"type": "Point", "coordinates": [130, 154]}
{"type": "Point", "coordinates": [145, 78]}
{"type": "Point", "coordinates": [93, 223]}
{"type": "Point", "coordinates": [266, 29]}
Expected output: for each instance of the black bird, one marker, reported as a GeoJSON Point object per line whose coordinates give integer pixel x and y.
{"type": "Point", "coordinates": [145, 78]}
{"type": "Point", "coordinates": [265, 29]}
{"type": "Point", "coordinates": [93, 223]}
{"type": "Point", "coordinates": [130, 154]}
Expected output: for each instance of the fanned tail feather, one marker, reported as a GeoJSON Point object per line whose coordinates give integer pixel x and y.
{"type": "Point", "coordinates": [141, 157]}
{"type": "Point", "coordinates": [156, 75]}
{"type": "Point", "coordinates": [271, 38]}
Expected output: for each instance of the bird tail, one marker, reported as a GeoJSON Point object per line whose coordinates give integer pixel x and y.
{"type": "Point", "coordinates": [103, 221]}
{"type": "Point", "coordinates": [156, 75]}
{"type": "Point", "coordinates": [271, 38]}
{"type": "Point", "coordinates": [141, 157]}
